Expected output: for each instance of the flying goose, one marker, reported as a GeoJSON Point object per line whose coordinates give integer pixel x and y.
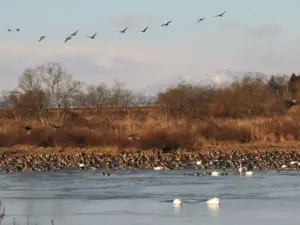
{"type": "Point", "coordinates": [201, 20]}
{"type": "Point", "coordinates": [221, 15]}
{"type": "Point", "coordinates": [68, 38]}
{"type": "Point", "coordinates": [123, 31]}
{"type": "Point", "coordinates": [74, 34]}
{"type": "Point", "coordinates": [143, 31]}
{"type": "Point", "coordinates": [92, 37]}
{"type": "Point", "coordinates": [41, 38]}
{"type": "Point", "coordinates": [166, 24]}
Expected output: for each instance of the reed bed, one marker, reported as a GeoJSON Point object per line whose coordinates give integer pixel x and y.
{"type": "Point", "coordinates": [155, 130]}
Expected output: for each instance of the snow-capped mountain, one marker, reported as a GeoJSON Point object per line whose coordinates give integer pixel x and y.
{"type": "Point", "coordinates": [214, 79]}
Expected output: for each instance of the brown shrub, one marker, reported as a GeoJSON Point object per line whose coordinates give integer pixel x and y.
{"type": "Point", "coordinates": [156, 131]}
{"type": "Point", "coordinates": [213, 130]}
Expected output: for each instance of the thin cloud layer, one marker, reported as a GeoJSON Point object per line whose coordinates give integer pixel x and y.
{"type": "Point", "coordinates": [137, 20]}
{"type": "Point", "coordinates": [138, 65]}
{"type": "Point", "coordinates": [267, 31]}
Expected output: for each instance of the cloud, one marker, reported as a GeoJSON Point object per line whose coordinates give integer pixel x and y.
{"type": "Point", "coordinates": [140, 65]}
{"type": "Point", "coordinates": [136, 20]}
{"type": "Point", "coordinates": [232, 25]}
{"type": "Point", "coordinates": [267, 30]}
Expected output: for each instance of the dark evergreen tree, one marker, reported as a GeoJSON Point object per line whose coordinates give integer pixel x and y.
{"type": "Point", "coordinates": [273, 84]}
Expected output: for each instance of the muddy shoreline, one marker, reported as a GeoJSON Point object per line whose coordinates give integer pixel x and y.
{"type": "Point", "coordinates": [276, 156]}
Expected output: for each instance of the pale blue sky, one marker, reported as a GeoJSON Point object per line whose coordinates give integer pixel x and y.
{"type": "Point", "coordinates": [249, 31]}
{"type": "Point", "coordinates": [57, 18]}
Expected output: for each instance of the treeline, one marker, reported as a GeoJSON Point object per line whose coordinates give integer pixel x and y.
{"type": "Point", "coordinates": [252, 96]}
{"type": "Point", "coordinates": [50, 85]}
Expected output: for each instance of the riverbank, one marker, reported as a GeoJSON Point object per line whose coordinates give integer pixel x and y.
{"type": "Point", "coordinates": [255, 156]}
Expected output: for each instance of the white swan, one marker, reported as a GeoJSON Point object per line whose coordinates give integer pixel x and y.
{"type": "Point", "coordinates": [241, 169]}
{"type": "Point", "coordinates": [215, 174]}
{"type": "Point", "coordinates": [199, 163]}
{"type": "Point", "coordinates": [177, 202]}
{"type": "Point", "coordinates": [213, 201]}
{"type": "Point", "coordinates": [249, 173]}
{"type": "Point", "coordinates": [158, 168]}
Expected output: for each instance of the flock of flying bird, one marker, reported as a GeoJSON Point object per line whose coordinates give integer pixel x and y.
{"type": "Point", "coordinates": [122, 31]}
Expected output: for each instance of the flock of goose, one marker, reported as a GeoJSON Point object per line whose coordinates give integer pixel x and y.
{"type": "Point", "coordinates": [69, 37]}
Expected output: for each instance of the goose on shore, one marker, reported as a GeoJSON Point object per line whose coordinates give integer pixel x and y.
{"type": "Point", "coordinates": [213, 201]}
{"type": "Point", "coordinates": [177, 202]}
{"type": "Point", "coordinates": [28, 129]}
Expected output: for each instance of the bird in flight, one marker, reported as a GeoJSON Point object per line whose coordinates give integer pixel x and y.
{"type": "Point", "coordinates": [18, 29]}
{"type": "Point", "coordinates": [145, 30]}
{"type": "Point", "coordinates": [166, 24]}
{"type": "Point", "coordinates": [221, 15]}
{"type": "Point", "coordinates": [9, 30]}
{"type": "Point", "coordinates": [41, 38]}
{"type": "Point", "coordinates": [123, 31]}
{"type": "Point", "coordinates": [92, 37]}
{"type": "Point", "coordinates": [68, 38]}
{"type": "Point", "coordinates": [75, 33]}
{"type": "Point", "coordinates": [201, 20]}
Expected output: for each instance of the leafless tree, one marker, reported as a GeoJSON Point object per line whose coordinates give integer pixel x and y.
{"type": "Point", "coordinates": [116, 93]}
{"type": "Point", "coordinates": [58, 82]}
{"type": "Point", "coordinates": [29, 81]}
{"type": "Point", "coordinates": [97, 96]}
{"type": "Point", "coordinates": [126, 98]}
{"type": "Point", "coordinates": [33, 97]}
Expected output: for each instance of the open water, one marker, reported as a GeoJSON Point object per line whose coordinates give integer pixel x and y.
{"type": "Point", "coordinates": [79, 197]}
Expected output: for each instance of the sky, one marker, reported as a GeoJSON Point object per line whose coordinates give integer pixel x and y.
{"type": "Point", "coordinates": [253, 35]}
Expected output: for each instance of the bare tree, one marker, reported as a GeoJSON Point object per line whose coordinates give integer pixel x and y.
{"type": "Point", "coordinates": [30, 81]}
{"type": "Point", "coordinates": [116, 93]}
{"type": "Point", "coordinates": [75, 92]}
{"type": "Point", "coordinates": [126, 98]}
{"type": "Point", "coordinates": [33, 97]}
{"type": "Point", "coordinates": [58, 82]}
{"type": "Point", "coordinates": [97, 96]}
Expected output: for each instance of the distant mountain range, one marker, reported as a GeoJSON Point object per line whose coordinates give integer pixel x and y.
{"type": "Point", "coordinates": [215, 79]}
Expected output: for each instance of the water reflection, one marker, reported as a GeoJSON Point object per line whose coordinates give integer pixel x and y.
{"type": "Point", "coordinates": [177, 210]}
{"type": "Point", "coordinates": [214, 210]}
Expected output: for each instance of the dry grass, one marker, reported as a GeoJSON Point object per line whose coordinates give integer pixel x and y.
{"type": "Point", "coordinates": [110, 131]}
